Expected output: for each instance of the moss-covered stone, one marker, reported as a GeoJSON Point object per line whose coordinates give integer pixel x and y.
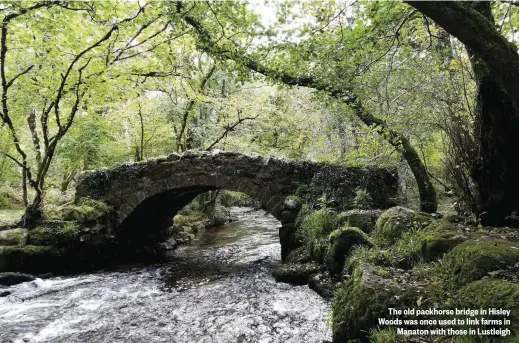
{"type": "Point", "coordinates": [340, 244]}
{"type": "Point", "coordinates": [440, 237]}
{"type": "Point", "coordinates": [85, 211]}
{"type": "Point", "coordinates": [363, 219]}
{"type": "Point", "coordinates": [490, 293]}
{"type": "Point", "coordinates": [493, 293]}
{"type": "Point", "coordinates": [368, 294]}
{"type": "Point", "coordinates": [296, 274]}
{"type": "Point", "coordinates": [299, 255]}
{"type": "Point", "coordinates": [57, 233]}
{"type": "Point", "coordinates": [322, 284]}
{"type": "Point", "coordinates": [13, 237]}
{"type": "Point", "coordinates": [374, 256]}
{"type": "Point", "coordinates": [28, 258]}
{"type": "Point", "coordinates": [397, 220]}
{"type": "Point", "coordinates": [473, 260]}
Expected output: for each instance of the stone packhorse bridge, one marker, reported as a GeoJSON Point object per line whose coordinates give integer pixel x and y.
{"type": "Point", "coordinates": [146, 195]}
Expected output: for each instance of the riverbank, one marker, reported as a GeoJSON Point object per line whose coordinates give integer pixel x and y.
{"type": "Point", "coordinates": [217, 289]}
{"type": "Point", "coordinates": [367, 261]}
{"type": "Point", "coordinates": [81, 237]}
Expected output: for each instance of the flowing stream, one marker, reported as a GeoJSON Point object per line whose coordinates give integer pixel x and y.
{"type": "Point", "coordinates": [218, 289]}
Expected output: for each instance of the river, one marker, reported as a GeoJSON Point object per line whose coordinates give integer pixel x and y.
{"type": "Point", "coordinates": [217, 289]}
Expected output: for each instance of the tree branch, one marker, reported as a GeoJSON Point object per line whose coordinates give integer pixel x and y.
{"type": "Point", "coordinates": [229, 128]}
{"type": "Point", "coordinates": [481, 36]}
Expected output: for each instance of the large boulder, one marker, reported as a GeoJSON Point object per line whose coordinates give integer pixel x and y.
{"type": "Point", "coordinates": [363, 219]}
{"type": "Point", "coordinates": [472, 260]}
{"type": "Point", "coordinates": [13, 237]}
{"type": "Point", "coordinates": [368, 294]}
{"type": "Point", "coordinates": [493, 293]}
{"type": "Point", "coordinates": [341, 242]}
{"type": "Point", "coordinates": [85, 211]}
{"type": "Point", "coordinates": [395, 221]}
{"type": "Point", "coordinates": [440, 237]}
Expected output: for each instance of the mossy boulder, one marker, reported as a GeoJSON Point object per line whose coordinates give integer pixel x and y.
{"type": "Point", "coordinates": [440, 237]}
{"type": "Point", "coordinates": [363, 219]}
{"type": "Point", "coordinates": [340, 244]}
{"type": "Point", "coordinates": [59, 233]}
{"type": "Point", "coordinates": [13, 237]}
{"type": "Point", "coordinates": [295, 273]}
{"type": "Point", "coordinates": [322, 284]}
{"type": "Point", "coordinates": [397, 220]}
{"type": "Point", "coordinates": [28, 258]}
{"type": "Point", "coordinates": [367, 295]}
{"type": "Point", "coordinates": [299, 255]}
{"type": "Point", "coordinates": [374, 256]}
{"type": "Point", "coordinates": [86, 210]}
{"type": "Point", "coordinates": [493, 293]}
{"type": "Point", "coordinates": [490, 293]}
{"type": "Point", "coordinates": [472, 260]}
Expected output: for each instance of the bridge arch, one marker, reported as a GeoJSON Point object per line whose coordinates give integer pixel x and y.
{"type": "Point", "coordinates": [145, 196]}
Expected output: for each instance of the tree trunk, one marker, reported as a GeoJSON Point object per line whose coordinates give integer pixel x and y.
{"type": "Point", "coordinates": [428, 201]}
{"type": "Point", "coordinates": [497, 134]}
{"type": "Point", "coordinates": [496, 66]}
{"type": "Point", "coordinates": [34, 212]}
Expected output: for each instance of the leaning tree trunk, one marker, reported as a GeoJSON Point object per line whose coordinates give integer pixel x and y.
{"type": "Point", "coordinates": [428, 202]}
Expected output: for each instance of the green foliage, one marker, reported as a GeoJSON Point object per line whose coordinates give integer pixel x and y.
{"type": "Point", "coordinates": [9, 198]}
{"type": "Point", "coordinates": [362, 199]}
{"type": "Point", "coordinates": [384, 335]}
{"type": "Point", "coordinates": [405, 253]}
{"type": "Point", "coordinates": [319, 224]}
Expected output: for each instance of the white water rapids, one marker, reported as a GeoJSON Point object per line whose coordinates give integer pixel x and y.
{"type": "Point", "coordinates": [218, 289]}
